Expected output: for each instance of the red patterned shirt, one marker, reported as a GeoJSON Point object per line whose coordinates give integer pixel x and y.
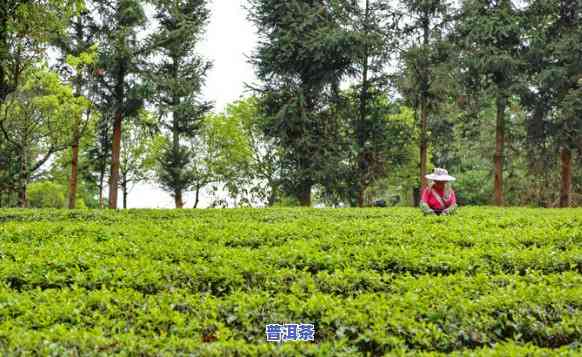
{"type": "Point", "coordinates": [435, 201]}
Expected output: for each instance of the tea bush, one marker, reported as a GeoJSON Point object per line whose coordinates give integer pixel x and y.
{"type": "Point", "coordinates": [488, 281]}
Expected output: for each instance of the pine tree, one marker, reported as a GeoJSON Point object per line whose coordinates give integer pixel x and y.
{"type": "Point", "coordinates": [118, 58]}
{"type": "Point", "coordinates": [489, 38]}
{"type": "Point", "coordinates": [425, 59]}
{"type": "Point", "coordinates": [375, 24]}
{"type": "Point", "coordinates": [303, 54]}
{"type": "Point", "coordinates": [177, 79]}
{"type": "Point", "coordinates": [554, 91]}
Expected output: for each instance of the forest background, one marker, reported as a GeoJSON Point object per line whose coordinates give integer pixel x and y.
{"type": "Point", "coordinates": [351, 102]}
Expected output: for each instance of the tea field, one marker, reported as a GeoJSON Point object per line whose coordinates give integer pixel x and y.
{"type": "Point", "coordinates": [486, 282]}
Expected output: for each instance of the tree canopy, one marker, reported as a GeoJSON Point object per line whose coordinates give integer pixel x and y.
{"type": "Point", "coordinates": [353, 102]}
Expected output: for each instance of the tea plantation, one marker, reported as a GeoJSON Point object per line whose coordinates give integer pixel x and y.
{"type": "Point", "coordinates": [488, 281]}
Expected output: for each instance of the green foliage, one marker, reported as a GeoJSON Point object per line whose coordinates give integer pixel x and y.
{"type": "Point", "coordinates": [137, 159]}
{"type": "Point", "coordinates": [402, 176]}
{"type": "Point", "coordinates": [228, 146]}
{"type": "Point", "coordinates": [229, 154]}
{"type": "Point", "coordinates": [25, 29]}
{"type": "Point", "coordinates": [389, 132]}
{"type": "Point", "coordinates": [8, 166]}
{"type": "Point", "coordinates": [305, 50]}
{"type": "Point", "coordinates": [373, 281]}
{"type": "Point", "coordinates": [474, 187]}
{"type": "Point", "coordinates": [245, 159]}
{"type": "Point", "coordinates": [175, 171]}
{"type": "Point", "coordinates": [46, 195]}
{"type": "Point", "coordinates": [176, 76]}
{"type": "Point", "coordinates": [35, 119]}
{"type": "Point", "coordinates": [489, 36]}
{"type": "Point", "coordinates": [457, 63]}
{"type": "Point", "coordinates": [553, 95]}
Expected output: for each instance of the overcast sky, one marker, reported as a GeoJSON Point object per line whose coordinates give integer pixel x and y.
{"type": "Point", "coordinates": [229, 39]}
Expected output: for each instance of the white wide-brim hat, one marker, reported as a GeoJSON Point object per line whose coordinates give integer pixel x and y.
{"type": "Point", "coordinates": [440, 175]}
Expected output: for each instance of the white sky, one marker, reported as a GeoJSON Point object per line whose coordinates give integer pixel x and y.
{"type": "Point", "coordinates": [229, 39]}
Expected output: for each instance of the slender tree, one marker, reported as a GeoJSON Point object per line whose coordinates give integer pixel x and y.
{"type": "Point", "coordinates": [98, 153]}
{"type": "Point", "coordinates": [387, 134]}
{"type": "Point", "coordinates": [375, 23]}
{"type": "Point", "coordinates": [117, 69]}
{"type": "Point", "coordinates": [554, 90]}
{"type": "Point", "coordinates": [77, 46]}
{"type": "Point", "coordinates": [177, 78]}
{"type": "Point", "coordinates": [264, 167]}
{"type": "Point", "coordinates": [136, 159]}
{"type": "Point", "coordinates": [489, 37]}
{"type": "Point", "coordinates": [424, 57]}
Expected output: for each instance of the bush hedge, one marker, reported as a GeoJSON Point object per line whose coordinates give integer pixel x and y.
{"type": "Point", "coordinates": [488, 281]}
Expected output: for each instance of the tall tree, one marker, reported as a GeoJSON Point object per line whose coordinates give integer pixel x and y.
{"type": "Point", "coordinates": [489, 37]}
{"type": "Point", "coordinates": [554, 90]}
{"type": "Point", "coordinates": [375, 24]}
{"type": "Point", "coordinates": [136, 159]}
{"type": "Point", "coordinates": [77, 45]}
{"type": "Point", "coordinates": [177, 80]}
{"type": "Point", "coordinates": [98, 153]}
{"type": "Point", "coordinates": [424, 56]}
{"type": "Point", "coordinates": [118, 58]}
{"type": "Point", "coordinates": [387, 134]}
{"type": "Point", "coordinates": [34, 121]}
{"type": "Point", "coordinates": [303, 53]}
{"type": "Point", "coordinates": [264, 167]}
{"type": "Point", "coordinates": [230, 155]}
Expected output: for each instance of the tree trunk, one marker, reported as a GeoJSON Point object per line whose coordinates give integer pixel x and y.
{"type": "Point", "coordinates": [176, 142]}
{"type": "Point", "coordinates": [115, 154]}
{"type": "Point", "coordinates": [416, 194]}
{"type": "Point", "coordinates": [272, 195]}
{"type": "Point", "coordinates": [423, 145]}
{"type": "Point", "coordinates": [101, 199]}
{"type": "Point", "coordinates": [424, 87]}
{"type": "Point", "coordinates": [499, 143]}
{"type": "Point", "coordinates": [361, 199]}
{"type": "Point", "coordinates": [568, 20]}
{"type": "Point", "coordinates": [197, 196]}
{"type": "Point", "coordinates": [125, 194]}
{"type": "Point", "coordinates": [566, 177]}
{"type": "Point", "coordinates": [74, 171]}
{"type": "Point", "coordinates": [363, 165]}
{"type": "Point", "coordinates": [305, 160]}
{"type": "Point", "coordinates": [73, 179]}
{"type": "Point", "coordinates": [272, 199]}
{"type": "Point", "coordinates": [22, 181]}
{"type": "Point", "coordinates": [23, 195]}
{"type": "Point", "coordinates": [305, 195]}
{"type": "Point", "coordinates": [178, 199]}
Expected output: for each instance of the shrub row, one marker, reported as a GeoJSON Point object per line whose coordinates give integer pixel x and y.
{"type": "Point", "coordinates": [373, 281]}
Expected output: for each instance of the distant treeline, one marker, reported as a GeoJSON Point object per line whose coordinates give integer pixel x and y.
{"type": "Point", "coordinates": [354, 101]}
